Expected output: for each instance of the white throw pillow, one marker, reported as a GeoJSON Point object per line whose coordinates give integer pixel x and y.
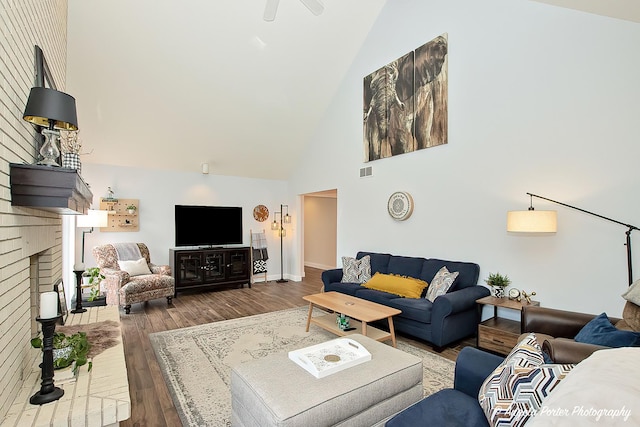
{"type": "Point", "coordinates": [633, 293]}
{"type": "Point", "coordinates": [135, 268]}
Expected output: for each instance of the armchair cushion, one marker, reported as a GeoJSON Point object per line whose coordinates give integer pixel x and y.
{"type": "Point", "coordinates": [136, 267]}
{"type": "Point", "coordinates": [600, 331]}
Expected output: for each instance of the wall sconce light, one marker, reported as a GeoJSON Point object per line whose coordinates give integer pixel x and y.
{"type": "Point", "coordinates": [532, 221]}
{"type": "Point", "coordinates": [282, 232]}
{"type": "Point", "coordinates": [54, 111]}
{"type": "Point", "coordinates": [205, 168]}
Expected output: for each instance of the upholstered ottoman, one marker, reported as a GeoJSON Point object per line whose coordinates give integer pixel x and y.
{"type": "Point", "coordinates": [274, 391]}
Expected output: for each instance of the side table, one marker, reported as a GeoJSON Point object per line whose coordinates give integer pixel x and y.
{"type": "Point", "coordinates": [498, 334]}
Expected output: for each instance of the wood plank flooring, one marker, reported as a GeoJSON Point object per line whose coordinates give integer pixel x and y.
{"type": "Point", "coordinates": [151, 404]}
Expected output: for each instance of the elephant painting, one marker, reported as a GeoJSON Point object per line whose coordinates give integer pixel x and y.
{"type": "Point", "coordinates": [405, 103]}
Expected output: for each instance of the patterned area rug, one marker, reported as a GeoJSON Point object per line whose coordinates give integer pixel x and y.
{"type": "Point", "coordinates": [196, 362]}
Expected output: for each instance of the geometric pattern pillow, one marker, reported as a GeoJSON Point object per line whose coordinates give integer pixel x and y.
{"type": "Point", "coordinates": [356, 270]}
{"type": "Point", "coordinates": [514, 394]}
{"type": "Point", "coordinates": [440, 284]}
{"type": "Point", "coordinates": [515, 390]}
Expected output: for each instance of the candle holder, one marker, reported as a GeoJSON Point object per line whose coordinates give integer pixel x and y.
{"type": "Point", "coordinates": [48, 391]}
{"type": "Point", "coordinates": [78, 308]}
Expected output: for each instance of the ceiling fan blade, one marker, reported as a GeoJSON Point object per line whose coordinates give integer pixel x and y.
{"type": "Point", "coordinates": [270, 10]}
{"type": "Point", "coordinates": [314, 6]}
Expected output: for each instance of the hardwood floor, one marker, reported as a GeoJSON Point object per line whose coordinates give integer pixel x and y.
{"type": "Point", "coordinates": [151, 404]}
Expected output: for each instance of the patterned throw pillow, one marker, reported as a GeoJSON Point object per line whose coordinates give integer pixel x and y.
{"type": "Point", "coordinates": [514, 392]}
{"type": "Point", "coordinates": [441, 283]}
{"type": "Point", "coordinates": [356, 270]}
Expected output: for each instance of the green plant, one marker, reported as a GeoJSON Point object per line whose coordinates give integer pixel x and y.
{"type": "Point", "coordinates": [95, 277]}
{"type": "Point", "coordinates": [132, 207]}
{"type": "Point", "coordinates": [79, 349]}
{"type": "Point", "coordinates": [497, 280]}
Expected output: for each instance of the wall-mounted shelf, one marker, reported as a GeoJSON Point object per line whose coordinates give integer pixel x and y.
{"type": "Point", "coordinates": [119, 217]}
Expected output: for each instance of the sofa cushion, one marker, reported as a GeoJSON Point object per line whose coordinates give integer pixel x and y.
{"type": "Point", "coordinates": [379, 262]}
{"type": "Point", "coordinates": [375, 296]}
{"type": "Point", "coordinates": [345, 288]}
{"type": "Point", "coordinates": [468, 272]}
{"type": "Point", "coordinates": [418, 309]}
{"type": "Point", "coordinates": [600, 331]}
{"type": "Point", "coordinates": [514, 392]}
{"type": "Point", "coordinates": [356, 270]}
{"type": "Point", "coordinates": [405, 266]}
{"type": "Point", "coordinates": [398, 285]}
{"type": "Point", "coordinates": [441, 283]}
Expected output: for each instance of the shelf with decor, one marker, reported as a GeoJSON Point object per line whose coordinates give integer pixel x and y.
{"type": "Point", "coordinates": [123, 214]}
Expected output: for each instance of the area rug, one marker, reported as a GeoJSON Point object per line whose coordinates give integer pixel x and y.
{"type": "Point", "coordinates": [196, 362]}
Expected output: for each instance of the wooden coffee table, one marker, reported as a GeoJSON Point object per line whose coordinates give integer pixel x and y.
{"type": "Point", "coordinates": [359, 310]}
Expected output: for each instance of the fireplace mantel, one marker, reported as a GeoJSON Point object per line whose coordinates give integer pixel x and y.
{"type": "Point", "coordinates": [49, 188]}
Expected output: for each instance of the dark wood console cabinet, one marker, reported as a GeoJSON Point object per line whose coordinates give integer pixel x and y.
{"type": "Point", "coordinates": [208, 268]}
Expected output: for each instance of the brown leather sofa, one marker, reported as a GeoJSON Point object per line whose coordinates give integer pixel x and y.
{"type": "Point", "coordinates": [556, 329]}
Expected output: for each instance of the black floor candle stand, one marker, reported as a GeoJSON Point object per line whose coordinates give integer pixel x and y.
{"type": "Point", "coordinates": [48, 391]}
{"type": "Point", "coordinates": [78, 308]}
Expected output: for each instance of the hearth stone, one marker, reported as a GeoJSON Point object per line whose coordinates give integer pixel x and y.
{"type": "Point", "coordinates": [274, 391]}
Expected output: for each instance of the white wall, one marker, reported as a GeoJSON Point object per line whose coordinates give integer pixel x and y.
{"type": "Point", "coordinates": [159, 191]}
{"type": "Point", "coordinates": [541, 99]}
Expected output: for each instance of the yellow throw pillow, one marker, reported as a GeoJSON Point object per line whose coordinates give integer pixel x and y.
{"type": "Point", "coordinates": [397, 285]}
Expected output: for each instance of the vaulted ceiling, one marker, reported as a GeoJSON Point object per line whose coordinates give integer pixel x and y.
{"type": "Point", "coordinates": [172, 84]}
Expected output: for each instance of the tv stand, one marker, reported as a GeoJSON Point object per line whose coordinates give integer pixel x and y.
{"type": "Point", "coordinates": [208, 268]}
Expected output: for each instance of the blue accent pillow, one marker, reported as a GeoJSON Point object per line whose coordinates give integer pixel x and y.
{"type": "Point", "coordinates": [600, 331]}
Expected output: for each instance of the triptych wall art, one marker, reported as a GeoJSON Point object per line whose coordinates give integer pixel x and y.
{"type": "Point", "coordinates": [405, 102]}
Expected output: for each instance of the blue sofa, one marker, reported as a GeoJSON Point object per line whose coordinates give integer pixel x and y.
{"type": "Point", "coordinates": [457, 406]}
{"type": "Point", "coordinates": [449, 318]}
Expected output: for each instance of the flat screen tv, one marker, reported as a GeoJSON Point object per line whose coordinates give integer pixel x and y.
{"type": "Point", "coordinates": [208, 225]}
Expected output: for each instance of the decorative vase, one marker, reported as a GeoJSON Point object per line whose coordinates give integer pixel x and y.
{"type": "Point", "coordinates": [71, 161]}
{"type": "Point", "coordinates": [498, 291]}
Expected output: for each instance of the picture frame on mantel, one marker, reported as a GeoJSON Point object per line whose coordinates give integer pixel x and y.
{"type": "Point", "coordinates": [405, 103]}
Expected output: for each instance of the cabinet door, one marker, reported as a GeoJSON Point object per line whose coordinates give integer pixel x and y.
{"type": "Point", "coordinates": [214, 266]}
{"type": "Point", "coordinates": [189, 266]}
{"type": "Point", "coordinates": [238, 264]}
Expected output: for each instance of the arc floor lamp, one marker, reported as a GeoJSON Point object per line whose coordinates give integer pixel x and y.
{"type": "Point", "coordinates": [532, 221]}
{"type": "Point", "coordinates": [284, 219]}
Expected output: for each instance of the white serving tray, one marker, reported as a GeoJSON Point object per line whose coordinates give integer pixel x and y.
{"type": "Point", "coordinates": [314, 358]}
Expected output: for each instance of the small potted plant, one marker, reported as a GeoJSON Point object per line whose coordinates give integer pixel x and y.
{"type": "Point", "coordinates": [131, 209]}
{"type": "Point", "coordinates": [94, 277]}
{"type": "Point", "coordinates": [497, 282]}
{"type": "Point", "coordinates": [67, 350]}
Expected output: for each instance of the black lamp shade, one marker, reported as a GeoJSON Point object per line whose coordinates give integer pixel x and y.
{"type": "Point", "coordinates": [48, 105]}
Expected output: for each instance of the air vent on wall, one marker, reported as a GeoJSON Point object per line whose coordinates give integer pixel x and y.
{"type": "Point", "coordinates": [364, 172]}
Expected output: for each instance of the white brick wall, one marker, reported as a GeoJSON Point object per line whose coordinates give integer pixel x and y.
{"type": "Point", "coordinates": [23, 24]}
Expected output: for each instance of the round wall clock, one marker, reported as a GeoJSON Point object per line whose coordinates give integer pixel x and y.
{"type": "Point", "coordinates": [400, 205]}
{"type": "Point", "coordinates": [261, 213]}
